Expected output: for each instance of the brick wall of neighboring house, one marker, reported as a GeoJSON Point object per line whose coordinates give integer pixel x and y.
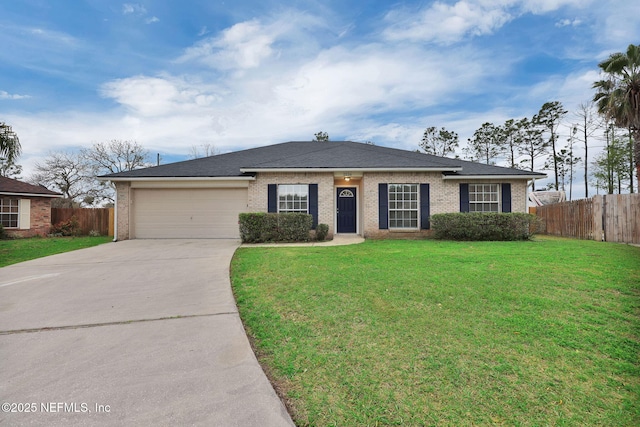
{"type": "Point", "coordinates": [258, 192]}
{"type": "Point", "coordinates": [123, 190]}
{"type": "Point", "coordinates": [40, 219]}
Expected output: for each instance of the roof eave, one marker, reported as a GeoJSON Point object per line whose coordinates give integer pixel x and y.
{"type": "Point", "coordinates": [176, 178]}
{"type": "Point", "coordinates": [396, 169]}
{"type": "Point", "coordinates": [13, 193]}
{"type": "Point", "coordinates": [459, 177]}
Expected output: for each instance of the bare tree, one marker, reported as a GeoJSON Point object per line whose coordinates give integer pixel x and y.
{"type": "Point", "coordinates": [203, 150]}
{"type": "Point", "coordinates": [116, 156]}
{"type": "Point", "coordinates": [112, 157]}
{"type": "Point", "coordinates": [588, 123]}
{"type": "Point", "coordinates": [69, 174]}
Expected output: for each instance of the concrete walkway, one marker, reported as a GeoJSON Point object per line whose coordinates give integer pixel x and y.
{"type": "Point", "coordinates": [142, 332]}
{"type": "Point", "coordinates": [338, 240]}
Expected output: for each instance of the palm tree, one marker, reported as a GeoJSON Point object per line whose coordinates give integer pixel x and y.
{"type": "Point", "coordinates": [618, 97]}
{"type": "Point", "coordinates": [10, 147]}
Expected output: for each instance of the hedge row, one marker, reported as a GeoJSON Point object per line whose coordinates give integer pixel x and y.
{"type": "Point", "coordinates": [484, 226]}
{"type": "Point", "coordinates": [263, 227]}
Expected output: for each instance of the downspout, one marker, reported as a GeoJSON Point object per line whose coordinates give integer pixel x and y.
{"type": "Point", "coordinates": [115, 217]}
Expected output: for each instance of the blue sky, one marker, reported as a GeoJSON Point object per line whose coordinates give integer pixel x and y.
{"type": "Point", "coordinates": [239, 74]}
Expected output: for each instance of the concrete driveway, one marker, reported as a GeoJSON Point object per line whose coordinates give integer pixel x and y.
{"type": "Point", "coordinates": [139, 332]}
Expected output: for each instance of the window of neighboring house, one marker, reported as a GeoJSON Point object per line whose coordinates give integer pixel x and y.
{"type": "Point", "coordinates": [293, 198]}
{"type": "Point", "coordinates": [9, 213]}
{"type": "Point", "coordinates": [484, 198]}
{"type": "Point", "coordinates": [403, 206]}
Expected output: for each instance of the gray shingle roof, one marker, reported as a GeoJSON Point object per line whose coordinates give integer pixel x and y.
{"type": "Point", "coordinates": [10, 186]}
{"type": "Point", "coordinates": [328, 155]}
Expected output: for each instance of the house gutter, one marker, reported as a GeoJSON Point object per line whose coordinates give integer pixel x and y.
{"type": "Point", "coordinates": [462, 177]}
{"type": "Point", "coordinates": [9, 193]}
{"type": "Point", "coordinates": [411, 169]}
{"type": "Point", "coordinates": [115, 218]}
{"type": "Point", "coordinates": [177, 178]}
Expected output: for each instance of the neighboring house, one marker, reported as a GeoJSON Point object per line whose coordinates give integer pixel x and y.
{"type": "Point", "coordinates": [352, 187]}
{"type": "Point", "coordinates": [25, 209]}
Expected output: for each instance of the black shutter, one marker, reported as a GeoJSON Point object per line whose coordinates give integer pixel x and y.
{"type": "Point", "coordinates": [506, 197]}
{"type": "Point", "coordinates": [424, 206]}
{"type": "Point", "coordinates": [464, 197]}
{"type": "Point", "coordinates": [383, 207]}
{"type": "Point", "coordinates": [313, 204]}
{"type": "Point", "coordinates": [273, 198]}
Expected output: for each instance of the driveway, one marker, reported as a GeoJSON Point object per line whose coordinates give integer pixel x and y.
{"type": "Point", "coordinates": [139, 332]}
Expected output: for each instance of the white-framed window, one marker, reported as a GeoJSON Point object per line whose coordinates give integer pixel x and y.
{"type": "Point", "coordinates": [484, 198]}
{"type": "Point", "coordinates": [293, 198]}
{"type": "Point", "coordinates": [403, 206]}
{"type": "Point", "coordinates": [9, 213]}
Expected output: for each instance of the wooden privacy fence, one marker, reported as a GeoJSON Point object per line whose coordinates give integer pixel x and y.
{"type": "Point", "coordinates": [99, 219]}
{"type": "Point", "coordinates": [611, 218]}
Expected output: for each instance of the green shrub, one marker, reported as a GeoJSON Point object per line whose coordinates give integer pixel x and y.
{"type": "Point", "coordinates": [263, 227]}
{"type": "Point", "coordinates": [3, 233]}
{"type": "Point", "coordinates": [484, 226]}
{"type": "Point", "coordinates": [321, 232]}
{"type": "Point", "coordinates": [70, 227]}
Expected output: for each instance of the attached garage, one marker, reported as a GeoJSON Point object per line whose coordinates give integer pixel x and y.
{"type": "Point", "coordinates": [190, 213]}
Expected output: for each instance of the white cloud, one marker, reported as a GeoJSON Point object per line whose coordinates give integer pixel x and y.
{"type": "Point", "coordinates": [133, 8]}
{"type": "Point", "coordinates": [568, 23]}
{"type": "Point", "coordinates": [7, 95]}
{"type": "Point", "coordinates": [445, 23]}
{"type": "Point", "coordinates": [152, 20]}
{"type": "Point", "coordinates": [247, 45]}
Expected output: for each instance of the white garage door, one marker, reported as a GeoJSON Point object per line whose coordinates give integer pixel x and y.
{"type": "Point", "coordinates": [187, 213]}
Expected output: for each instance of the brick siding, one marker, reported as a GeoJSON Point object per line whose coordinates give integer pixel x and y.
{"type": "Point", "coordinates": [40, 213]}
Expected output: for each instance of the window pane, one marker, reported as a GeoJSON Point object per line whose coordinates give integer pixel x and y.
{"type": "Point", "coordinates": [403, 205]}
{"type": "Point", "coordinates": [293, 198]}
{"type": "Point", "coordinates": [484, 198]}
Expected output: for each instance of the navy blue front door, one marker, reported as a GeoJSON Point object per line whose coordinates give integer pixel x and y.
{"type": "Point", "coordinates": [346, 209]}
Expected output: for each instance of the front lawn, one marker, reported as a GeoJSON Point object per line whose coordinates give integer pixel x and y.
{"type": "Point", "coordinates": [19, 250]}
{"type": "Point", "coordinates": [543, 332]}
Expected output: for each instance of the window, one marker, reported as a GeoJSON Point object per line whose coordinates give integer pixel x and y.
{"type": "Point", "coordinates": [9, 213]}
{"type": "Point", "coordinates": [484, 198]}
{"type": "Point", "coordinates": [403, 206]}
{"type": "Point", "coordinates": [293, 198]}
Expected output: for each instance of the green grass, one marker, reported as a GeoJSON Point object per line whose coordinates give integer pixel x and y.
{"type": "Point", "coordinates": [19, 250]}
{"type": "Point", "coordinates": [535, 333]}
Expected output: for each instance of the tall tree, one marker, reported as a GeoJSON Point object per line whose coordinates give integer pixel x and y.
{"type": "Point", "coordinates": [587, 124]}
{"type": "Point", "coordinates": [532, 144]}
{"type": "Point", "coordinates": [487, 143]}
{"type": "Point", "coordinates": [618, 94]}
{"type": "Point", "coordinates": [511, 133]}
{"type": "Point", "coordinates": [439, 142]}
{"type": "Point", "coordinates": [10, 147]}
{"type": "Point", "coordinates": [549, 118]}
{"type": "Point", "coordinates": [610, 167]}
{"type": "Point", "coordinates": [111, 157]}
{"type": "Point", "coordinates": [69, 174]}
{"type": "Point", "coordinates": [321, 136]}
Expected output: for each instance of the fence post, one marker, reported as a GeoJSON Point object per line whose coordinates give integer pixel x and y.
{"type": "Point", "coordinates": [598, 212]}
{"type": "Point", "coordinates": [111, 222]}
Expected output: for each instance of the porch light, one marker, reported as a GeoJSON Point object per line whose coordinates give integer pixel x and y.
{"type": "Point", "coordinates": [347, 177]}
